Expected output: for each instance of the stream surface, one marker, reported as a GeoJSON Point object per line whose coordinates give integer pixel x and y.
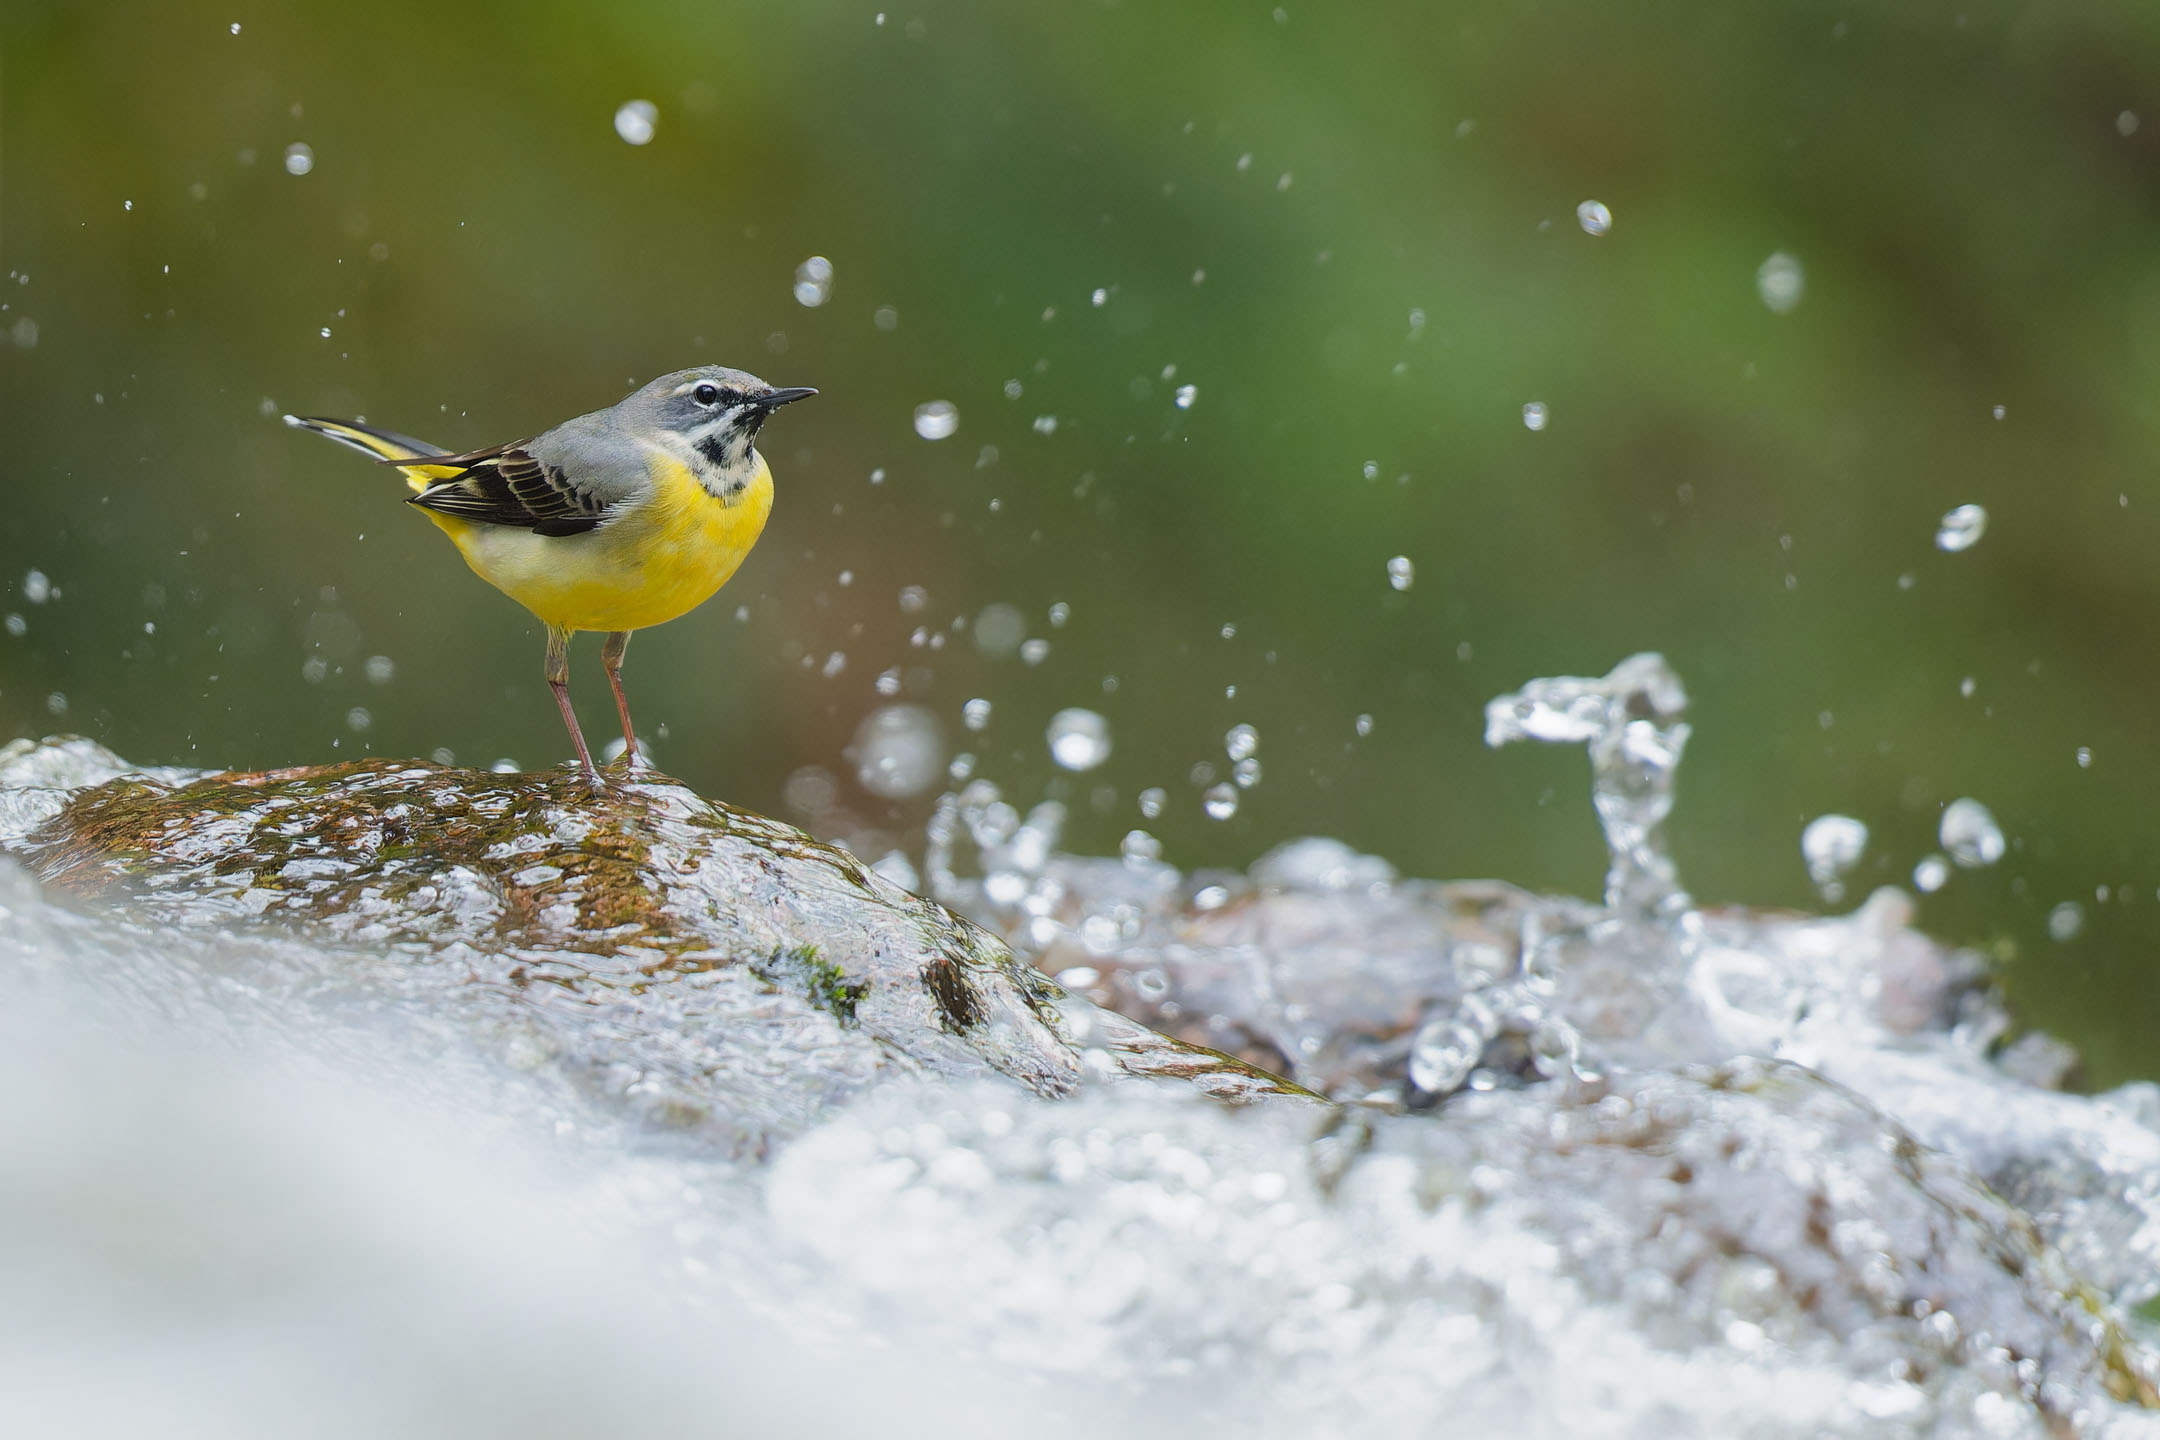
{"type": "Point", "coordinates": [1617, 1168]}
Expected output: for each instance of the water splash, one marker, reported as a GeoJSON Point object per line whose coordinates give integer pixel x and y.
{"type": "Point", "coordinates": [1639, 1164]}
{"type": "Point", "coordinates": [1630, 720]}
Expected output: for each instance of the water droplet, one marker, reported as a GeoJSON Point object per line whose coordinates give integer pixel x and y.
{"type": "Point", "coordinates": [325, 332]}
{"type": "Point", "coordinates": [1079, 739]}
{"type": "Point", "coordinates": [2002, 412]}
{"type": "Point", "coordinates": [1594, 218]}
{"type": "Point", "coordinates": [1246, 772]}
{"type": "Point", "coordinates": [888, 681]}
{"type": "Point", "coordinates": [16, 625]}
{"type": "Point", "coordinates": [24, 332]}
{"type": "Point", "coordinates": [299, 159]}
{"type": "Point", "coordinates": [886, 318]}
{"type": "Point", "coordinates": [1961, 529]}
{"type": "Point", "coordinates": [912, 599]}
{"type": "Point", "coordinates": [1059, 614]}
{"type": "Point", "coordinates": [314, 669]}
{"type": "Point", "coordinates": [895, 866]}
{"type": "Point", "coordinates": [1220, 801]}
{"type": "Point", "coordinates": [999, 630]}
{"type": "Point", "coordinates": [381, 669]}
{"type": "Point", "coordinates": [2084, 757]}
{"type": "Point", "coordinates": [813, 281]}
{"type": "Point", "coordinates": [1100, 298]}
{"type": "Point", "coordinates": [1967, 686]}
{"type": "Point", "coordinates": [1370, 469]}
{"type": "Point", "coordinates": [1186, 394]}
{"type": "Point", "coordinates": [1931, 874]}
{"type": "Point", "coordinates": [1139, 848]}
{"type": "Point", "coordinates": [1152, 801]}
{"type": "Point", "coordinates": [1970, 834]}
{"type": "Point", "coordinates": [897, 751]}
{"type": "Point", "coordinates": [834, 664]}
{"type": "Point", "coordinates": [36, 588]}
{"type": "Point", "coordinates": [1781, 282]}
{"type": "Point", "coordinates": [936, 419]}
{"type": "Point", "coordinates": [2126, 124]}
{"type": "Point", "coordinates": [236, 27]}
{"type": "Point", "coordinates": [2065, 920]}
{"type": "Point", "coordinates": [1443, 1053]}
{"type": "Point", "coordinates": [359, 718]}
{"type": "Point", "coordinates": [504, 766]}
{"type": "Point", "coordinates": [1534, 415]}
{"type": "Point", "coordinates": [1400, 572]}
{"type": "Point", "coordinates": [1034, 652]}
{"type": "Point", "coordinates": [635, 121]}
{"type": "Point", "coordinates": [1832, 845]}
{"type": "Point", "coordinates": [1046, 424]}
{"type": "Point", "coordinates": [975, 714]}
{"type": "Point", "coordinates": [1364, 724]}
{"type": "Point", "coordinates": [56, 703]}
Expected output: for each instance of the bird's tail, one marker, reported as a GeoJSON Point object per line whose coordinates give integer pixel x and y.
{"type": "Point", "coordinates": [382, 444]}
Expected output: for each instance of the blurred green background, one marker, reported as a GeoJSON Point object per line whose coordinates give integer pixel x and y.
{"type": "Point", "coordinates": [1352, 230]}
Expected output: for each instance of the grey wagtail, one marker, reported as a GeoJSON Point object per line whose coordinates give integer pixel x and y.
{"type": "Point", "coordinates": [617, 520]}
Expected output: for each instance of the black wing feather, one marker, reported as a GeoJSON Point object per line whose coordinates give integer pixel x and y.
{"type": "Point", "coordinates": [506, 485]}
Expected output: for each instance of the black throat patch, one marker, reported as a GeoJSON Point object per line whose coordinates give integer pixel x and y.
{"type": "Point", "coordinates": [724, 448]}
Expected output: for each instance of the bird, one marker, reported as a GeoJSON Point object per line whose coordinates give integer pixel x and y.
{"type": "Point", "coordinates": [614, 521]}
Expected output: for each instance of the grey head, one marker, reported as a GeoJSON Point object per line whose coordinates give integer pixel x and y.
{"type": "Point", "coordinates": [708, 417]}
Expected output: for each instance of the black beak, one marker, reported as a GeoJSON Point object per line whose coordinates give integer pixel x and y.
{"type": "Point", "coordinates": [777, 398]}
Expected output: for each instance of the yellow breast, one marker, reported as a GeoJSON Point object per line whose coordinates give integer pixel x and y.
{"type": "Point", "coordinates": [664, 558]}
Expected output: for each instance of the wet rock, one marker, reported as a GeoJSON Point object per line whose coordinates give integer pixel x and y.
{"type": "Point", "coordinates": [710, 968]}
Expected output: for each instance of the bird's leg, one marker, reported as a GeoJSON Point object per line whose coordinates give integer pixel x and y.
{"type": "Point", "coordinates": [611, 654]}
{"type": "Point", "coordinates": [558, 679]}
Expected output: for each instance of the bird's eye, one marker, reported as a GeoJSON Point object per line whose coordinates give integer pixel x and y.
{"type": "Point", "coordinates": [707, 394]}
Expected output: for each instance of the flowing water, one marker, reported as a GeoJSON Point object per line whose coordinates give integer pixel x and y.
{"type": "Point", "coordinates": [1635, 1167]}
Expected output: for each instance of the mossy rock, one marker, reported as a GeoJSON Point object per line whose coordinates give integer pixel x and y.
{"type": "Point", "coordinates": [714, 968]}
